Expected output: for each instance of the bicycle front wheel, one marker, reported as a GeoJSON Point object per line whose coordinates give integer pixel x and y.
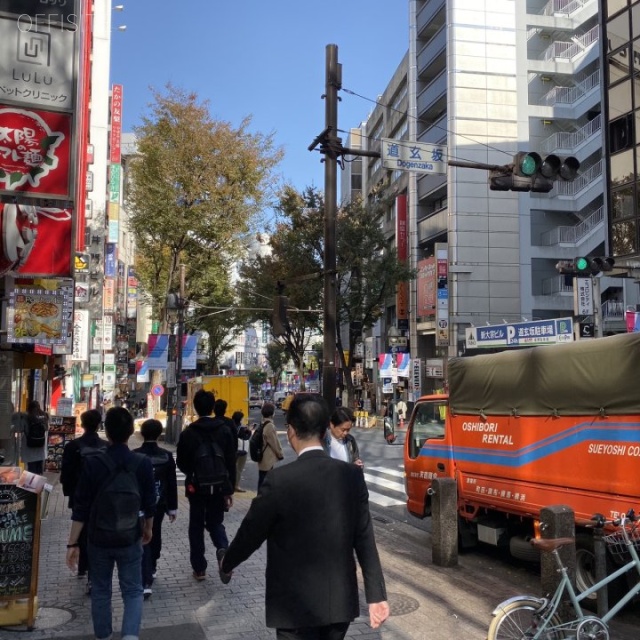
{"type": "Point", "coordinates": [519, 621]}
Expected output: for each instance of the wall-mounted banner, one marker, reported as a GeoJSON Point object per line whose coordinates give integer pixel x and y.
{"type": "Point", "coordinates": [80, 342]}
{"type": "Point", "coordinates": [426, 288]}
{"type": "Point", "coordinates": [403, 360]}
{"type": "Point", "coordinates": [115, 171]}
{"type": "Point", "coordinates": [81, 292]}
{"type": "Point", "coordinates": [35, 151]}
{"type": "Point", "coordinates": [442, 295]}
{"type": "Point", "coordinates": [402, 247]}
{"type": "Point", "coordinates": [108, 295]}
{"type": "Point", "coordinates": [115, 139]}
{"type": "Point", "coordinates": [142, 371]}
{"type": "Point", "coordinates": [35, 240]}
{"type": "Point", "coordinates": [385, 365]}
{"type": "Point", "coordinates": [189, 352]}
{"type": "Point", "coordinates": [110, 260]}
{"type": "Point", "coordinates": [519, 334]}
{"type": "Point", "coordinates": [633, 321]}
{"type": "Point", "coordinates": [158, 351]}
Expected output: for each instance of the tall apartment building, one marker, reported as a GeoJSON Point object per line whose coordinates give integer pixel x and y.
{"type": "Point", "coordinates": [486, 80]}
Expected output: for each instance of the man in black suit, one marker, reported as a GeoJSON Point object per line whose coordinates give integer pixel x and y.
{"type": "Point", "coordinates": [313, 513]}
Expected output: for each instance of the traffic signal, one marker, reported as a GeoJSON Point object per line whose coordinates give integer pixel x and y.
{"type": "Point", "coordinates": [531, 172]}
{"type": "Point", "coordinates": [280, 320]}
{"type": "Point", "coordinates": [591, 266]}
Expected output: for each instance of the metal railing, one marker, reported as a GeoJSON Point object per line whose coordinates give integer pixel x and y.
{"type": "Point", "coordinates": [571, 139]}
{"type": "Point", "coordinates": [567, 7]}
{"type": "Point", "coordinates": [556, 284]}
{"type": "Point", "coordinates": [569, 50]}
{"type": "Point", "coordinates": [571, 95]}
{"type": "Point", "coordinates": [585, 179]}
{"type": "Point", "coordinates": [613, 310]}
{"type": "Point", "coordinates": [574, 234]}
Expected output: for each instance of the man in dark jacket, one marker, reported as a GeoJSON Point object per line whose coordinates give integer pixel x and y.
{"type": "Point", "coordinates": [206, 511]}
{"type": "Point", "coordinates": [314, 514]}
{"type": "Point", "coordinates": [164, 474]}
{"type": "Point", "coordinates": [74, 452]}
{"type": "Point", "coordinates": [103, 555]}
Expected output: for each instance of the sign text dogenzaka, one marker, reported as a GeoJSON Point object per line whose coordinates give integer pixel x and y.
{"type": "Point", "coordinates": [413, 156]}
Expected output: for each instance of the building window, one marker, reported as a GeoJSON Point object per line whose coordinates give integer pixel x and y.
{"type": "Point", "coordinates": [621, 133]}
{"type": "Point", "coordinates": [623, 203]}
{"type": "Point", "coordinates": [624, 238]}
{"type": "Point", "coordinates": [622, 170]}
{"type": "Point", "coordinates": [618, 31]}
{"type": "Point", "coordinates": [618, 66]}
{"type": "Point", "coordinates": [356, 182]}
{"type": "Point", "coordinates": [620, 98]}
{"type": "Point", "coordinates": [613, 6]}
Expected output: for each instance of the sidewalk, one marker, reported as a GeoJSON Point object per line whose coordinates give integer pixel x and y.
{"type": "Point", "coordinates": [427, 602]}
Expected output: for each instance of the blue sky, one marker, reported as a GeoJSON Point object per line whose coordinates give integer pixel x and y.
{"type": "Point", "coordinates": [261, 58]}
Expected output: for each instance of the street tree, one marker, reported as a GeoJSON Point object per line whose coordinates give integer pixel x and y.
{"type": "Point", "coordinates": [277, 360]}
{"type": "Point", "coordinates": [195, 187]}
{"type": "Point", "coordinates": [368, 270]}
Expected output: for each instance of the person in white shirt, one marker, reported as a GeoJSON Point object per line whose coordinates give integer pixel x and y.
{"type": "Point", "coordinates": [339, 443]}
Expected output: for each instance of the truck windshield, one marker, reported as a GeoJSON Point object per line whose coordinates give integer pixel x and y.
{"type": "Point", "coordinates": [428, 422]}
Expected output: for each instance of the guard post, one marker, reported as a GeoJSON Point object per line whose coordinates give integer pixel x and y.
{"type": "Point", "coordinates": [444, 522]}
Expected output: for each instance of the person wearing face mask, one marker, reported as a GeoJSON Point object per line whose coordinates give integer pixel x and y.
{"type": "Point", "coordinates": [338, 442]}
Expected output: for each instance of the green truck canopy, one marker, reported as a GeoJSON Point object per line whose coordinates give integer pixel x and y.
{"type": "Point", "coordinates": [588, 377]}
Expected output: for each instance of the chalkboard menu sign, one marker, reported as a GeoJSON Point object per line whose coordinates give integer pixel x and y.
{"type": "Point", "coordinates": [19, 528]}
{"type": "Point", "coordinates": [61, 430]}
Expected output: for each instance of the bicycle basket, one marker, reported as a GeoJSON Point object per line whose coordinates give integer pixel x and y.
{"type": "Point", "coordinates": [617, 544]}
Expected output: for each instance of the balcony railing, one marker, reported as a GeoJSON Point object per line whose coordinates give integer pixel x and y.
{"type": "Point", "coordinates": [569, 50]}
{"type": "Point", "coordinates": [571, 95]}
{"type": "Point", "coordinates": [613, 310]}
{"type": "Point", "coordinates": [571, 140]}
{"type": "Point", "coordinates": [572, 235]}
{"type": "Point", "coordinates": [586, 178]}
{"type": "Point", "coordinates": [556, 284]}
{"type": "Point", "coordinates": [566, 7]}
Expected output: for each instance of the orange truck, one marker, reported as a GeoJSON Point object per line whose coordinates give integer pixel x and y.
{"type": "Point", "coordinates": [525, 429]}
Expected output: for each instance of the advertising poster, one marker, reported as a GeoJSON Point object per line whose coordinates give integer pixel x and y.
{"type": "Point", "coordinates": [35, 240]}
{"type": "Point", "coordinates": [402, 246]}
{"type": "Point", "coordinates": [158, 351]}
{"type": "Point", "coordinates": [35, 151]}
{"type": "Point", "coordinates": [62, 429]}
{"type": "Point", "coordinates": [426, 288]}
{"type": "Point", "coordinates": [39, 311]}
{"type": "Point", "coordinates": [80, 342]}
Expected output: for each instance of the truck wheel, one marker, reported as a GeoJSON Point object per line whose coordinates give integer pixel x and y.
{"type": "Point", "coordinates": [586, 573]}
{"type": "Point", "coordinates": [521, 548]}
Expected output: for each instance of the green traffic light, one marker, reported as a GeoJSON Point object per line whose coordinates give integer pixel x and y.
{"type": "Point", "coordinates": [582, 264]}
{"type": "Point", "coordinates": [528, 165]}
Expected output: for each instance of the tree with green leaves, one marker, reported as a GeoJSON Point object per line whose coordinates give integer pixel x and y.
{"type": "Point", "coordinates": [368, 270]}
{"type": "Point", "coordinates": [277, 359]}
{"type": "Point", "coordinates": [195, 188]}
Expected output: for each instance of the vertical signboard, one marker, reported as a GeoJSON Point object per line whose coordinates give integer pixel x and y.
{"type": "Point", "coordinates": [583, 297]}
{"type": "Point", "coordinates": [416, 379]}
{"type": "Point", "coordinates": [80, 342]}
{"type": "Point", "coordinates": [116, 124]}
{"type": "Point", "coordinates": [402, 246]}
{"type": "Point", "coordinates": [426, 288]}
{"type": "Point", "coordinates": [442, 291]}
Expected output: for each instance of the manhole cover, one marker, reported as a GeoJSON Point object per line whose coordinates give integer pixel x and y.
{"type": "Point", "coordinates": [399, 605]}
{"type": "Point", "coordinates": [47, 618]}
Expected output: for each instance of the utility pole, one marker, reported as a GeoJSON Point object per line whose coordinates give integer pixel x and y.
{"type": "Point", "coordinates": [333, 144]}
{"type": "Point", "coordinates": [181, 304]}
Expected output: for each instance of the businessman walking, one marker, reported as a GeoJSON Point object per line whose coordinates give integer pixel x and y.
{"type": "Point", "coordinates": [313, 513]}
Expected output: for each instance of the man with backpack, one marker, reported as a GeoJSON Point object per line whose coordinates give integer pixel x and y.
{"type": "Point", "coordinates": [206, 454]}
{"type": "Point", "coordinates": [271, 447]}
{"type": "Point", "coordinates": [164, 474]}
{"type": "Point", "coordinates": [115, 487]}
{"type": "Point", "coordinates": [75, 451]}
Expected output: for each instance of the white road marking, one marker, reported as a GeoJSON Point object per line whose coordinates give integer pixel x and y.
{"type": "Point", "coordinates": [387, 471]}
{"type": "Point", "coordinates": [385, 501]}
{"type": "Point", "coordinates": [387, 484]}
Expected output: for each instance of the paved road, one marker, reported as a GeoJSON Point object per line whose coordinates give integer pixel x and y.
{"type": "Point", "coordinates": [427, 602]}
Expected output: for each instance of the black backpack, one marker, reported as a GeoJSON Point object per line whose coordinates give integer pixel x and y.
{"type": "Point", "coordinates": [256, 444]}
{"type": "Point", "coordinates": [36, 431]}
{"type": "Point", "coordinates": [159, 462]}
{"type": "Point", "coordinates": [114, 519]}
{"type": "Point", "coordinates": [209, 469]}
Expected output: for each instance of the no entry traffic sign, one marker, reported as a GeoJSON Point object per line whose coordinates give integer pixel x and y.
{"type": "Point", "coordinates": [157, 390]}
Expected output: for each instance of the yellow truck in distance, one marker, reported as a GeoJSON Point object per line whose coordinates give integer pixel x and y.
{"type": "Point", "coordinates": [233, 389]}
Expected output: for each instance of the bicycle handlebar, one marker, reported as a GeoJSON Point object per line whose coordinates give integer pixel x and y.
{"type": "Point", "coordinates": [599, 520]}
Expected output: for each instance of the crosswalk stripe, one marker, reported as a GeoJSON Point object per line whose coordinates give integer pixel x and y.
{"type": "Point", "coordinates": [387, 484]}
{"type": "Point", "coordinates": [384, 501]}
{"type": "Point", "coordinates": [387, 471]}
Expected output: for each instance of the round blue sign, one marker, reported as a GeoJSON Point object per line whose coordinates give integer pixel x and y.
{"type": "Point", "coordinates": [157, 390]}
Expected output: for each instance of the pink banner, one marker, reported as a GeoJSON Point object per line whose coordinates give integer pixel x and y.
{"type": "Point", "coordinates": [426, 287]}
{"type": "Point", "coordinates": [633, 321]}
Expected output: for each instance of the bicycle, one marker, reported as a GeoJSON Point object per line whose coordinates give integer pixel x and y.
{"type": "Point", "coordinates": [533, 618]}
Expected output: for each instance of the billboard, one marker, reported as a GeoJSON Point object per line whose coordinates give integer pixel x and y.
{"type": "Point", "coordinates": [426, 288]}
{"type": "Point", "coordinates": [520, 334]}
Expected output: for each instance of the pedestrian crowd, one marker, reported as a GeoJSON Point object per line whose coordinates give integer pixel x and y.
{"type": "Point", "coordinates": [120, 497]}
